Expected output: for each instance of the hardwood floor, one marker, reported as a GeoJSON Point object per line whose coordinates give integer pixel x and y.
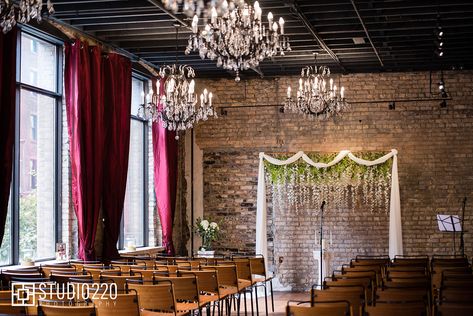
{"type": "Point", "coordinates": [280, 302]}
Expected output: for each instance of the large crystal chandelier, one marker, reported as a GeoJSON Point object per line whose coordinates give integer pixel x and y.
{"type": "Point", "coordinates": [196, 7]}
{"type": "Point", "coordinates": [238, 39]}
{"type": "Point", "coordinates": [12, 12]}
{"type": "Point", "coordinates": [177, 108]}
{"type": "Point", "coordinates": [317, 95]}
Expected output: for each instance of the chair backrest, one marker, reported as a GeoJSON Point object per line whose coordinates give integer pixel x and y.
{"type": "Point", "coordinates": [61, 310]}
{"type": "Point", "coordinates": [226, 274]}
{"type": "Point", "coordinates": [405, 309]}
{"type": "Point", "coordinates": [148, 274]}
{"type": "Point", "coordinates": [185, 288]}
{"type": "Point", "coordinates": [455, 309]}
{"type": "Point", "coordinates": [354, 295]}
{"type": "Point", "coordinates": [6, 306]}
{"type": "Point", "coordinates": [159, 297]}
{"type": "Point", "coordinates": [64, 278]}
{"type": "Point", "coordinates": [208, 281]}
{"type": "Point", "coordinates": [97, 272]}
{"type": "Point", "coordinates": [122, 305]}
{"type": "Point", "coordinates": [243, 268]}
{"type": "Point", "coordinates": [401, 296]}
{"type": "Point", "coordinates": [119, 280]}
{"type": "Point", "coordinates": [340, 308]}
{"type": "Point", "coordinates": [258, 266]}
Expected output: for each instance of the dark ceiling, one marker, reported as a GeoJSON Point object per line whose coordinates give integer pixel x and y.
{"type": "Point", "coordinates": [398, 35]}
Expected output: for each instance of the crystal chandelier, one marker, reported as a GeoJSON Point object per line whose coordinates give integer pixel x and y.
{"type": "Point", "coordinates": [196, 7]}
{"type": "Point", "coordinates": [178, 107]}
{"type": "Point", "coordinates": [238, 39]}
{"type": "Point", "coordinates": [12, 12]}
{"type": "Point", "coordinates": [316, 97]}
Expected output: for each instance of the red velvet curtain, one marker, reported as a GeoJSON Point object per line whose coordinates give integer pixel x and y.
{"type": "Point", "coordinates": [7, 119]}
{"type": "Point", "coordinates": [165, 177]}
{"type": "Point", "coordinates": [117, 72]}
{"type": "Point", "coordinates": [85, 117]}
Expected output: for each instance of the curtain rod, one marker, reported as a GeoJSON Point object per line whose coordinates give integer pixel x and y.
{"type": "Point", "coordinates": [72, 32]}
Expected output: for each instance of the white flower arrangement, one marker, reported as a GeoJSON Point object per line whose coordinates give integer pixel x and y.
{"type": "Point", "coordinates": [209, 231]}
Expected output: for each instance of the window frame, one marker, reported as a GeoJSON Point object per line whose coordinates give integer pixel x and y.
{"type": "Point", "coordinates": [57, 96]}
{"type": "Point", "coordinates": [134, 117]}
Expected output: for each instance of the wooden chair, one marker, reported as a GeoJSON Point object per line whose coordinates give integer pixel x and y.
{"type": "Point", "coordinates": [245, 285]}
{"type": "Point", "coordinates": [156, 297]}
{"type": "Point", "coordinates": [227, 279]}
{"type": "Point", "coordinates": [335, 308]}
{"type": "Point", "coordinates": [405, 309]}
{"type": "Point", "coordinates": [260, 278]}
{"type": "Point", "coordinates": [148, 274]}
{"type": "Point", "coordinates": [208, 287]}
{"type": "Point", "coordinates": [65, 278]}
{"type": "Point", "coordinates": [366, 283]}
{"type": "Point", "coordinates": [96, 273]}
{"type": "Point", "coordinates": [122, 305]}
{"type": "Point", "coordinates": [354, 295]}
{"type": "Point", "coordinates": [119, 280]}
{"type": "Point", "coordinates": [47, 309]}
{"type": "Point", "coordinates": [455, 309]}
{"type": "Point", "coordinates": [6, 304]}
{"type": "Point", "coordinates": [185, 290]}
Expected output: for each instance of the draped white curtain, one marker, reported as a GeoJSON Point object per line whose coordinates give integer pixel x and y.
{"type": "Point", "coordinates": [395, 231]}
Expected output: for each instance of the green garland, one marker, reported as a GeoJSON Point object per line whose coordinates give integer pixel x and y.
{"type": "Point", "coordinates": [346, 167]}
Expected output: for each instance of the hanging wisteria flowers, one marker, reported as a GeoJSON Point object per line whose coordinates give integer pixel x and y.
{"type": "Point", "coordinates": [345, 186]}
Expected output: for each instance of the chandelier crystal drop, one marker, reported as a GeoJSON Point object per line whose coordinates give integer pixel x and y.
{"type": "Point", "coordinates": [317, 95]}
{"type": "Point", "coordinates": [177, 108]}
{"type": "Point", "coordinates": [238, 39]}
{"type": "Point", "coordinates": [23, 11]}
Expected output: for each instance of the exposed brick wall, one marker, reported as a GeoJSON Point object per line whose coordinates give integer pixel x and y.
{"type": "Point", "coordinates": [435, 163]}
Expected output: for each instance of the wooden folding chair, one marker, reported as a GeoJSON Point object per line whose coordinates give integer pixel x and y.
{"type": "Point", "coordinates": [334, 308]}
{"type": "Point", "coordinates": [156, 299]}
{"type": "Point", "coordinates": [122, 305]}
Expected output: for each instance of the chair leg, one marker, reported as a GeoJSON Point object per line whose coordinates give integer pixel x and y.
{"type": "Point", "coordinates": [272, 294]}
{"type": "Point", "coordinates": [244, 297]}
{"type": "Point", "coordinates": [266, 299]}
{"type": "Point", "coordinates": [256, 299]}
{"type": "Point", "coordinates": [251, 300]}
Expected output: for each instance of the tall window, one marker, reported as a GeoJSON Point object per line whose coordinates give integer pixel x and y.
{"type": "Point", "coordinates": [135, 208]}
{"type": "Point", "coordinates": [34, 199]}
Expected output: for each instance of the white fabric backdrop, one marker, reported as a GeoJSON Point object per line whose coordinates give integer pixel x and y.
{"type": "Point", "coordinates": [395, 231]}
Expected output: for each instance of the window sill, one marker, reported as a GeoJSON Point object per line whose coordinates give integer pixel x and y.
{"type": "Point", "coordinates": [142, 251]}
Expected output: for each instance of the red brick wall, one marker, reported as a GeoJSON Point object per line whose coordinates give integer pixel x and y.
{"type": "Point", "coordinates": [435, 163]}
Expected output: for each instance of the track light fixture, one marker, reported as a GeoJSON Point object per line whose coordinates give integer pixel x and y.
{"type": "Point", "coordinates": [439, 42]}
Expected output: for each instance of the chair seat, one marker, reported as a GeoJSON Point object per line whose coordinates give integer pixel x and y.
{"type": "Point", "coordinates": [225, 291]}
{"type": "Point", "coordinates": [144, 312]}
{"type": "Point", "coordinates": [243, 284]}
{"type": "Point", "coordinates": [186, 306]}
{"type": "Point", "coordinates": [207, 298]}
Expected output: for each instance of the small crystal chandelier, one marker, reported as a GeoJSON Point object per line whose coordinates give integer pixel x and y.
{"type": "Point", "coordinates": [316, 98]}
{"type": "Point", "coordinates": [177, 108]}
{"type": "Point", "coordinates": [12, 12]}
{"type": "Point", "coordinates": [238, 39]}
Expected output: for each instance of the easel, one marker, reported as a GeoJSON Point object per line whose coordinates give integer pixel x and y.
{"type": "Point", "coordinates": [450, 224]}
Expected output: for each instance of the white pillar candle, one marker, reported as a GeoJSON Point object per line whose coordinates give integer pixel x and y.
{"type": "Point", "coordinates": [288, 92]}
{"type": "Point", "coordinates": [342, 92]}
